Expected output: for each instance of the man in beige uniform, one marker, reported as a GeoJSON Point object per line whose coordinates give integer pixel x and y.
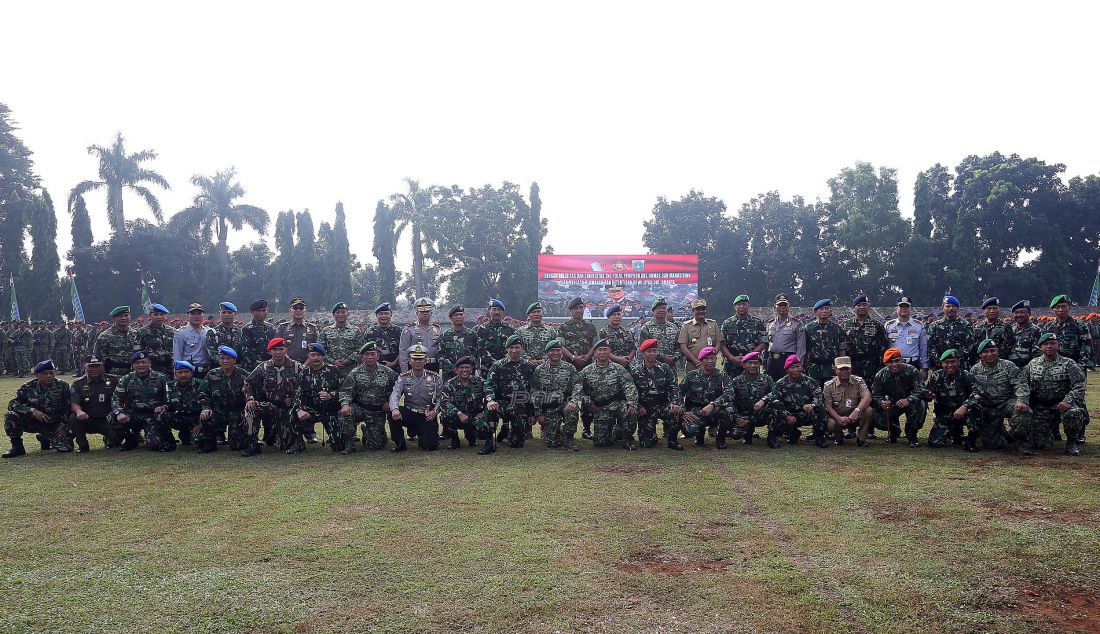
{"type": "Point", "coordinates": [697, 333]}
{"type": "Point", "coordinates": [848, 402]}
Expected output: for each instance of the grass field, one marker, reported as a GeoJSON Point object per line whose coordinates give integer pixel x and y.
{"type": "Point", "coordinates": [886, 539]}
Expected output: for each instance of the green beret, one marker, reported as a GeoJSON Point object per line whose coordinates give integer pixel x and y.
{"type": "Point", "coordinates": [338, 306]}
{"type": "Point", "coordinates": [513, 340]}
{"type": "Point", "coordinates": [950, 353]}
{"type": "Point", "coordinates": [1058, 299]}
{"type": "Point", "coordinates": [533, 307]}
{"type": "Point", "coordinates": [1047, 336]}
{"type": "Point", "coordinates": [369, 346]}
{"type": "Point", "coordinates": [985, 344]}
{"type": "Point", "coordinates": [660, 301]}
{"type": "Point", "coordinates": [602, 343]}
{"type": "Point", "coordinates": [118, 310]}
{"type": "Point", "coordinates": [576, 302]}
{"type": "Point", "coordinates": [550, 345]}
{"type": "Point", "coordinates": [740, 298]}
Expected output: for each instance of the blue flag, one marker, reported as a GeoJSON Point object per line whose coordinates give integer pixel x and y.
{"type": "Point", "coordinates": [14, 301]}
{"type": "Point", "coordinates": [78, 309]}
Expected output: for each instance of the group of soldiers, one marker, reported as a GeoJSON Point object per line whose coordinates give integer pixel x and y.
{"type": "Point", "coordinates": [23, 345]}
{"type": "Point", "coordinates": [1017, 384]}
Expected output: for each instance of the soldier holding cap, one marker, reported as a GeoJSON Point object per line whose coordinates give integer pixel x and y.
{"type": "Point", "coordinates": [115, 345]}
{"type": "Point", "coordinates": [455, 343]}
{"type": "Point", "coordinates": [41, 407]}
{"type": "Point", "coordinates": [909, 336]}
{"type": "Point", "coordinates": [697, 333]}
{"type": "Point", "coordinates": [848, 402]}
{"type": "Point", "coordinates": [365, 396]}
{"type": "Point", "coordinates": [422, 332]}
{"type": "Point", "coordinates": [298, 333]}
{"type": "Point", "coordinates": [386, 336]}
{"type": "Point", "coordinates": [785, 337]}
{"type": "Point", "coordinates": [254, 337]}
{"type": "Point", "coordinates": [90, 404]}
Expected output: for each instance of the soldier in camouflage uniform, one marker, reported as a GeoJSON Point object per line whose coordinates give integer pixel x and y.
{"type": "Point", "coordinates": [701, 387]}
{"type": "Point", "coordinates": [224, 405]}
{"type": "Point", "coordinates": [866, 339]}
{"type": "Point", "coordinates": [40, 406]}
{"type": "Point", "coordinates": [992, 327]}
{"type": "Point", "coordinates": [79, 342]}
{"type": "Point", "coordinates": [745, 397]}
{"type": "Point", "coordinates": [341, 341]}
{"type": "Point", "coordinates": [825, 341]}
{"type": "Point", "coordinates": [552, 389]}
{"type": "Point", "coordinates": [364, 397]}
{"type": "Point", "coordinates": [898, 390]}
{"type": "Point", "coordinates": [508, 396]}
{"type": "Point", "coordinates": [138, 401]}
{"type": "Point", "coordinates": [461, 404]}
{"type": "Point", "coordinates": [227, 333]}
{"type": "Point", "coordinates": [255, 336]}
{"type": "Point", "coordinates": [796, 401]}
{"type": "Point", "coordinates": [1057, 387]}
{"type": "Point", "coordinates": [156, 339]}
{"type": "Point", "coordinates": [22, 345]}
{"type": "Point", "coordinates": [658, 397]}
{"type": "Point", "coordinates": [577, 336]}
{"type": "Point", "coordinates": [41, 340]}
{"type": "Point", "coordinates": [455, 343]}
{"type": "Point", "coordinates": [5, 347]}
{"type": "Point", "coordinates": [185, 399]}
{"type": "Point", "coordinates": [535, 335]}
{"type": "Point", "coordinates": [386, 336]}
{"type": "Point", "coordinates": [490, 338]}
{"type": "Point", "coordinates": [319, 400]}
{"type": "Point", "coordinates": [949, 332]}
{"type": "Point", "coordinates": [115, 345]}
{"type": "Point", "coordinates": [271, 392]}
{"type": "Point", "coordinates": [62, 348]}
{"type": "Point", "coordinates": [956, 394]}
{"type": "Point", "coordinates": [1074, 342]}
{"type": "Point", "coordinates": [1025, 335]}
{"type": "Point", "coordinates": [609, 391]}
{"type": "Point", "coordinates": [741, 334]}
{"type": "Point", "coordinates": [1005, 396]}
{"type": "Point", "coordinates": [666, 331]}
{"type": "Point", "coordinates": [623, 344]}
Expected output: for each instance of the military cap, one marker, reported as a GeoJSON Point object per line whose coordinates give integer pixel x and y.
{"type": "Point", "coordinates": [384, 306]}
{"type": "Point", "coordinates": [660, 301]}
{"type": "Point", "coordinates": [369, 346]}
{"type": "Point", "coordinates": [904, 301]}
{"type": "Point", "coordinates": [259, 304]}
{"type": "Point", "coordinates": [1023, 303]}
{"type": "Point", "coordinates": [1047, 336]}
{"type": "Point", "coordinates": [417, 351]}
{"type": "Point", "coordinates": [183, 365]}
{"type": "Point", "coordinates": [277, 342]}
{"type": "Point", "coordinates": [985, 344]}
{"type": "Point", "coordinates": [533, 307]}
{"type": "Point", "coordinates": [968, 313]}
{"type": "Point", "coordinates": [740, 298]}
{"type": "Point", "coordinates": [118, 310]}
{"type": "Point", "coordinates": [466, 360]}
{"type": "Point", "coordinates": [512, 340]}
{"type": "Point", "coordinates": [859, 299]}
{"type": "Point", "coordinates": [791, 360]}
{"type": "Point", "coordinates": [93, 361]}
{"type": "Point", "coordinates": [991, 301]}
{"type": "Point", "coordinates": [1058, 299]}
{"type": "Point", "coordinates": [950, 299]}
{"type": "Point", "coordinates": [648, 343]}
{"type": "Point", "coordinates": [950, 353]}
{"type": "Point", "coordinates": [781, 299]}
{"type": "Point", "coordinates": [698, 303]}
{"type": "Point", "coordinates": [576, 302]}
{"type": "Point", "coordinates": [550, 345]}
{"type": "Point", "coordinates": [45, 366]}
{"type": "Point", "coordinates": [891, 353]}
{"type": "Point", "coordinates": [822, 303]}
{"type": "Point", "coordinates": [496, 303]}
{"type": "Point", "coordinates": [752, 356]}
{"type": "Point", "coordinates": [707, 352]}
{"type": "Point", "coordinates": [297, 301]}
{"type": "Point", "coordinates": [319, 348]}
{"type": "Point", "coordinates": [424, 305]}
{"type": "Point", "coordinates": [455, 309]}
{"type": "Point", "coordinates": [230, 306]}
{"type": "Point", "coordinates": [612, 309]}
{"type": "Point", "coordinates": [339, 306]}
{"type": "Point", "coordinates": [158, 308]}
{"type": "Point", "coordinates": [138, 355]}
{"type": "Point", "coordinates": [839, 362]}
{"type": "Point", "coordinates": [195, 306]}
{"type": "Point", "coordinates": [602, 343]}
{"type": "Point", "coordinates": [227, 351]}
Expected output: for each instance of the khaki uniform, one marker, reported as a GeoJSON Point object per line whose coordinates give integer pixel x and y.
{"type": "Point", "coordinates": [697, 336]}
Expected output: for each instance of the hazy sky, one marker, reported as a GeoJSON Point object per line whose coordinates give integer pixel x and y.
{"type": "Point", "coordinates": [606, 105]}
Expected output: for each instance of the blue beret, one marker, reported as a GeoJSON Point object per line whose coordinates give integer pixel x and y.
{"type": "Point", "coordinates": [158, 308]}
{"type": "Point", "coordinates": [496, 303]}
{"type": "Point", "coordinates": [316, 347]}
{"type": "Point", "coordinates": [822, 303]}
{"type": "Point", "coordinates": [258, 304]}
{"type": "Point", "coordinates": [227, 351]}
{"type": "Point", "coordinates": [227, 306]}
{"type": "Point", "coordinates": [612, 309]}
{"type": "Point", "coordinates": [138, 355]}
{"type": "Point", "coordinates": [859, 299]}
{"type": "Point", "coordinates": [44, 366]}
{"type": "Point", "coordinates": [183, 365]}
{"type": "Point", "coordinates": [992, 301]}
{"type": "Point", "coordinates": [1023, 303]}
{"type": "Point", "coordinates": [381, 307]}
{"type": "Point", "coordinates": [950, 299]}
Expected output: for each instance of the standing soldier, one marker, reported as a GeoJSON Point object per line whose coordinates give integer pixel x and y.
{"type": "Point", "coordinates": [658, 397]}
{"type": "Point", "coordinates": [156, 339]}
{"type": "Point", "coordinates": [848, 403]}
{"type": "Point", "coordinates": [79, 342]}
{"type": "Point", "coordinates": [23, 347]}
{"type": "Point", "coordinates": [824, 343]}
{"type": "Point", "coordinates": [412, 403]}
{"type": "Point", "coordinates": [608, 389]}
{"type": "Point", "coordinates": [1074, 342]}
{"type": "Point", "coordinates": [423, 332]}
{"type": "Point", "coordinates": [535, 334]}
{"type": "Point", "coordinates": [62, 347]}
{"type": "Point", "coordinates": [298, 333]}
{"type": "Point", "coordinates": [5, 347]}
{"type": "Point", "coordinates": [796, 401]}
{"type": "Point", "coordinates": [185, 399]}
{"type": "Point", "coordinates": [189, 342]}
{"type": "Point", "coordinates": [40, 347]}
{"type": "Point", "coordinates": [666, 331]}
{"type": "Point", "coordinates": [897, 390]}
{"type": "Point", "coordinates": [137, 402]}
{"type": "Point", "coordinates": [956, 394]}
{"type": "Point", "coordinates": [741, 334]}
{"type": "Point", "coordinates": [702, 387]}
{"type": "Point", "coordinates": [949, 332]}
{"type": "Point", "coordinates": [319, 401]}
{"type": "Point", "coordinates": [866, 339]}
{"type": "Point", "coordinates": [254, 337]}
{"type": "Point", "coordinates": [365, 396]}
{"type": "Point", "coordinates": [224, 405]}
{"type": "Point", "coordinates": [1005, 396]}
{"type": "Point", "coordinates": [577, 336]}
{"type": "Point", "coordinates": [270, 394]}
{"type": "Point", "coordinates": [41, 407]}
{"type": "Point", "coordinates": [1057, 386]}
{"type": "Point", "coordinates": [508, 395]}
{"type": "Point", "coordinates": [455, 343]}
{"type": "Point", "coordinates": [1025, 335]}
{"type": "Point", "coordinates": [227, 333]}
{"type": "Point", "coordinates": [386, 336]}
{"type": "Point", "coordinates": [909, 336]}
{"type": "Point", "coordinates": [115, 345]}
{"type": "Point", "coordinates": [623, 344]}
{"type": "Point", "coordinates": [462, 404]}
{"type": "Point", "coordinates": [341, 341]}
{"type": "Point", "coordinates": [784, 338]}
{"type": "Point", "coordinates": [697, 333]}
{"type": "Point", "coordinates": [90, 402]}
{"type": "Point", "coordinates": [552, 389]}
{"type": "Point", "coordinates": [991, 328]}
{"type": "Point", "coordinates": [491, 336]}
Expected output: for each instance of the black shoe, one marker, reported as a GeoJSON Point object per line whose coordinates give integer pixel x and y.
{"type": "Point", "coordinates": [849, 434]}
{"type": "Point", "coordinates": [893, 440]}
{"type": "Point", "coordinates": [1072, 448]}
{"type": "Point", "coordinates": [970, 447]}
{"type": "Point", "coordinates": [503, 433]}
{"type": "Point", "coordinates": [129, 443]}
{"type": "Point", "coordinates": [587, 434]}
{"type": "Point", "coordinates": [254, 449]}
{"type": "Point", "coordinates": [222, 440]}
{"type": "Point", "coordinates": [700, 442]}
{"type": "Point", "coordinates": [1080, 439]}
{"type": "Point", "coordinates": [347, 450]}
{"type": "Point", "coordinates": [721, 444]}
{"type": "Point", "coordinates": [207, 448]}
{"type": "Point", "coordinates": [82, 449]}
{"type": "Point", "coordinates": [43, 441]}
{"type": "Point", "coordinates": [673, 443]}
{"type": "Point", "coordinates": [311, 438]}
{"type": "Point", "coordinates": [821, 442]}
{"type": "Point", "coordinates": [488, 448]}
{"type": "Point", "coordinates": [569, 445]}
{"type": "Point", "coordinates": [861, 443]}
{"type": "Point", "coordinates": [839, 440]}
{"type": "Point", "coordinates": [399, 448]}
{"type": "Point", "coordinates": [629, 445]}
{"type": "Point", "coordinates": [773, 444]}
{"type": "Point", "coordinates": [455, 443]}
{"type": "Point", "coordinates": [185, 439]}
{"type": "Point", "coordinates": [871, 434]}
{"type": "Point", "coordinates": [16, 449]}
{"type": "Point", "coordinates": [914, 443]}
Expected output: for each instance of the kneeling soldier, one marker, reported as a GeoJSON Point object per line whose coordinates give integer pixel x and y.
{"type": "Point", "coordinates": [956, 394]}
{"type": "Point", "coordinates": [699, 389]}
{"type": "Point", "coordinates": [224, 410]}
{"type": "Point", "coordinates": [897, 390]}
{"type": "Point", "coordinates": [1057, 387]}
{"type": "Point", "coordinates": [319, 400]}
{"type": "Point", "coordinates": [848, 402]}
{"type": "Point", "coordinates": [271, 393]}
{"type": "Point", "coordinates": [508, 395]}
{"type": "Point", "coordinates": [796, 401]}
{"type": "Point", "coordinates": [90, 401]}
{"type": "Point", "coordinates": [657, 397]}
{"type": "Point", "coordinates": [40, 406]}
{"type": "Point", "coordinates": [607, 390]}
{"type": "Point", "coordinates": [745, 395]}
{"type": "Point", "coordinates": [552, 387]}
{"type": "Point", "coordinates": [185, 400]}
{"type": "Point", "coordinates": [137, 402]}
{"type": "Point", "coordinates": [462, 403]}
{"type": "Point", "coordinates": [1005, 395]}
{"type": "Point", "coordinates": [365, 395]}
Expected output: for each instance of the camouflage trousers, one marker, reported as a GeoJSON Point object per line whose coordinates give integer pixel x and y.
{"type": "Point", "coordinates": [186, 423]}
{"type": "Point", "coordinates": [820, 372]}
{"type": "Point", "coordinates": [39, 353]}
{"type": "Point", "coordinates": [606, 418]}
{"type": "Point", "coordinates": [516, 423]}
{"type": "Point", "coordinates": [374, 425]}
{"type": "Point", "coordinates": [558, 427]}
{"type": "Point", "coordinates": [277, 423]}
{"type": "Point", "coordinates": [647, 423]}
{"type": "Point", "coordinates": [891, 420]}
{"type": "Point", "coordinates": [339, 434]}
{"type": "Point", "coordinates": [992, 429]}
{"type": "Point", "coordinates": [22, 360]}
{"type": "Point", "coordinates": [745, 426]}
{"type": "Point", "coordinates": [815, 420]}
{"type": "Point", "coordinates": [866, 368]}
{"type": "Point", "coordinates": [452, 426]}
{"type": "Point", "coordinates": [223, 422]}
{"type": "Point", "coordinates": [138, 423]}
{"type": "Point", "coordinates": [61, 359]}
{"type": "Point", "coordinates": [721, 418]}
{"type": "Point", "coordinates": [1045, 423]}
{"type": "Point", "coordinates": [947, 430]}
{"type": "Point", "coordinates": [54, 431]}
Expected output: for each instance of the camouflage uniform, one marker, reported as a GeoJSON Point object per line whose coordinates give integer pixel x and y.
{"type": "Point", "coordinates": [22, 345]}
{"type": "Point", "coordinates": [741, 396]}
{"type": "Point", "coordinates": [453, 345]}
{"type": "Point", "coordinates": [698, 389]}
{"type": "Point", "coordinates": [53, 401]}
{"type": "Point", "coordinates": [367, 392]}
{"type": "Point", "coordinates": [113, 347]}
{"type": "Point", "coordinates": [79, 347]}
{"type": "Point", "coordinates": [787, 399]}
{"type": "Point", "coordinates": [1025, 344]}
{"type": "Point", "coordinates": [341, 344]}
{"type": "Point", "coordinates": [509, 384]}
{"type": "Point", "coordinates": [62, 348]}
{"type": "Point", "coordinates": [906, 384]}
{"type": "Point", "coordinates": [552, 387]}
{"type": "Point", "coordinates": [157, 341]}
{"type": "Point", "coordinates": [823, 345]}
{"type": "Point", "coordinates": [998, 331]}
{"type": "Point", "coordinates": [467, 398]}
{"type": "Point", "coordinates": [276, 391]}
{"type": "Point", "coordinates": [225, 398]}
{"type": "Point", "coordinates": [254, 339]}
{"type": "Point", "coordinates": [137, 396]}
{"type": "Point", "coordinates": [950, 393]}
{"type": "Point", "coordinates": [577, 336]}
{"type": "Point", "coordinates": [489, 345]}
{"type": "Point", "coordinates": [622, 341]}
{"type": "Point", "coordinates": [1052, 382]}
{"type": "Point", "coordinates": [40, 350]}
{"type": "Point", "coordinates": [657, 392]}
{"type": "Point", "coordinates": [185, 402]}
{"type": "Point", "coordinates": [1074, 340]}
{"type": "Point", "coordinates": [1003, 385]}
{"type": "Point", "coordinates": [221, 335]}
{"type": "Point", "coordinates": [666, 335]}
{"type": "Point", "coordinates": [866, 342]}
{"type": "Point", "coordinates": [609, 390]}
{"type": "Point", "coordinates": [388, 339]}
{"type": "Point", "coordinates": [340, 429]}
{"type": "Point", "coordinates": [534, 339]}
{"type": "Point", "coordinates": [742, 335]}
{"type": "Point", "coordinates": [945, 334]}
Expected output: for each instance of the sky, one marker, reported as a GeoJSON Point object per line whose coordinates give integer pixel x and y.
{"type": "Point", "coordinates": [606, 105]}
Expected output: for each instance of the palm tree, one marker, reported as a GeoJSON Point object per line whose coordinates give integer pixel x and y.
{"type": "Point", "coordinates": [414, 210]}
{"type": "Point", "coordinates": [119, 171]}
{"type": "Point", "coordinates": [213, 212]}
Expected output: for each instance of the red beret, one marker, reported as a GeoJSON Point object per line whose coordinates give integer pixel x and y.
{"type": "Point", "coordinates": [890, 354]}
{"type": "Point", "coordinates": [648, 343]}
{"type": "Point", "coordinates": [277, 342]}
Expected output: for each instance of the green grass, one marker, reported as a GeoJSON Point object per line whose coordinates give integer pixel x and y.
{"type": "Point", "coordinates": [886, 539]}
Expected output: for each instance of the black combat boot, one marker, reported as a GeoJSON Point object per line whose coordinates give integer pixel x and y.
{"type": "Point", "coordinates": [398, 435]}
{"type": "Point", "coordinates": [253, 449]}
{"type": "Point", "coordinates": [16, 449]}
{"type": "Point", "coordinates": [129, 442]}
{"type": "Point", "coordinates": [455, 442]}
{"type": "Point", "coordinates": [721, 444]}
{"type": "Point", "coordinates": [793, 436]}
{"type": "Point", "coordinates": [206, 445]}
{"type": "Point", "coordinates": [82, 445]}
{"type": "Point", "coordinates": [674, 441]}
{"type": "Point", "coordinates": [587, 430]}
{"type": "Point", "coordinates": [772, 442]}
{"type": "Point", "coordinates": [1071, 447]}
{"type": "Point", "coordinates": [489, 446]}
{"type": "Point", "coordinates": [43, 441]}
{"type": "Point", "coordinates": [185, 437]}
{"type": "Point", "coordinates": [504, 432]}
{"type": "Point", "coordinates": [970, 438]}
